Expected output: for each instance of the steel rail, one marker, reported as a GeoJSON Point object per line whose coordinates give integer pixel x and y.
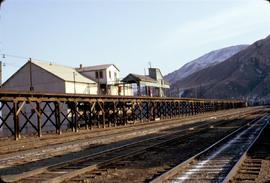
{"type": "Point", "coordinates": [31, 153]}
{"type": "Point", "coordinates": [234, 169]}
{"type": "Point", "coordinates": [26, 175]}
{"type": "Point", "coordinates": [211, 114]}
{"type": "Point", "coordinates": [172, 172]}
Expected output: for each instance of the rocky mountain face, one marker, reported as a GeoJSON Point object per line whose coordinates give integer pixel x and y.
{"type": "Point", "coordinates": [245, 75]}
{"type": "Point", "coordinates": [203, 62]}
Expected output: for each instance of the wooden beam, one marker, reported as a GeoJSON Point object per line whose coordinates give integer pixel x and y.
{"type": "Point", "coordinates": [16, 120]}
{"type": "Point", "coordinates": [20, 108]}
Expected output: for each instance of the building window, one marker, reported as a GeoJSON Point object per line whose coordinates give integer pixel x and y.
{"type": "Point", "coordinates": [96, 74]}
{"type": "Point", "coordinates": [110, 75]}
{"type": "Point", "coordinates": [115, 75]}
{"type": "Point", "coordinates": [100, 74]}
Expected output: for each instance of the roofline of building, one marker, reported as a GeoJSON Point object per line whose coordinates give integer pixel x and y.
{"type": "Point", "coordinates": [62, 78]}
{"type": "Point", "coordinates": [87, 68]}
{"type": "Point", "coordinates": [30, 62]}
{"type": "Point", "coordinates": [136, 75]}
{"type": "Point", "coordinates": [15, 73]}
{"type": "Point", "coordinates": [48, 71]}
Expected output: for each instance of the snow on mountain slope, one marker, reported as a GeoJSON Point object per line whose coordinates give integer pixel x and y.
{"type": "Point", "coordinates": [209, 59]}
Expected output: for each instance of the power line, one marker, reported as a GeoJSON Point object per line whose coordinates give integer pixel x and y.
{"type": "Point", "coordinates": [4, 55]}
{"type": "Point", "coordinates": [10, 64]}
{"type": "Point", "coordinates": [13, 56]}
{"type": "Point", "coordinates": [5, 62]}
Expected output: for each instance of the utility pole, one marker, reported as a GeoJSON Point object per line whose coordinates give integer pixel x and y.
{"type": "Point", "coordinates": [1, 1]}
{"type": "Point", "coordinates": [1, 129]}
{"type": "Point", "coordinates": [74, 82]}
{"type": "Point", "coordinates": [30, 75]}
{"type": "Point", "coordinates": [0, 74]}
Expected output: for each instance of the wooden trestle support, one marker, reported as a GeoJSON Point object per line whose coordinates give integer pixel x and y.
{"type": "Point", "coordinates": [20, 110]}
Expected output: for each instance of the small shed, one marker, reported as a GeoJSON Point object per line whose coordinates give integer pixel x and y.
{"type": "Point", "coordinates": [152, 85]}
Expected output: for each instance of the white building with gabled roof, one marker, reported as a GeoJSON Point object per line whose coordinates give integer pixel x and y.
{"type": "Point", "coordinates": [107, 78]}
{"type": "Point", "coordinates": [51, 78]}
{"type": "Point", "coordinates": [47, 77]}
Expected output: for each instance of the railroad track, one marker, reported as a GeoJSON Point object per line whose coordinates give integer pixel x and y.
{"type": "Point", "coordinates": [248, 171]}
{"type": "Point", "coordinates": [50, 138]}
{"type": "Point", "coordinates": [156, 159]}
{"type": "Point", "coordinates": [253, 167]}
{"type": "Point", "coordinates": [11, 159]}
{"type": "Point", "coordinates": [70, 169]}
{"type": "Point", "coordinates": [216, 163]}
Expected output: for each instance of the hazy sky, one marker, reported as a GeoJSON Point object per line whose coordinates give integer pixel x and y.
{"type": "Point", "coordinates": [128, 33]}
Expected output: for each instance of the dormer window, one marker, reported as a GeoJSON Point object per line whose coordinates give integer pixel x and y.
{"type": "Point", "coordinates": [100, 74]}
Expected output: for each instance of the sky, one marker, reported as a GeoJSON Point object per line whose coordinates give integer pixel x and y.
{"type": "Point", "coordinates": [132, 34]}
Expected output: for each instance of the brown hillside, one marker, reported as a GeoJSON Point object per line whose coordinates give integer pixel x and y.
{"type": "Point", "coordinates": [244, 75]}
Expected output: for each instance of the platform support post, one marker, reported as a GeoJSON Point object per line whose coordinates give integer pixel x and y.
{"type": "Point", "coordinates": [39, 115]}
{"type": "Point", "coordinates": [16, 120]}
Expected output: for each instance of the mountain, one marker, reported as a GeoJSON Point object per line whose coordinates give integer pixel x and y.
{"type": "Point", "coordinates": [209, 59]}
{"type": "Point", "coordinates": [245, 75]}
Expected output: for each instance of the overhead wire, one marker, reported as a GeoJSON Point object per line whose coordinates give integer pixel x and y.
{"type": "Point", "coordinates": [14, 61]}
{"type": "Point", "coordinates": [4, 55]}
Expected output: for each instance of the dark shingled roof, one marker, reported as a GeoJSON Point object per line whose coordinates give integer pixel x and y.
{"type": "Point", "coordinates": [139, 78]}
